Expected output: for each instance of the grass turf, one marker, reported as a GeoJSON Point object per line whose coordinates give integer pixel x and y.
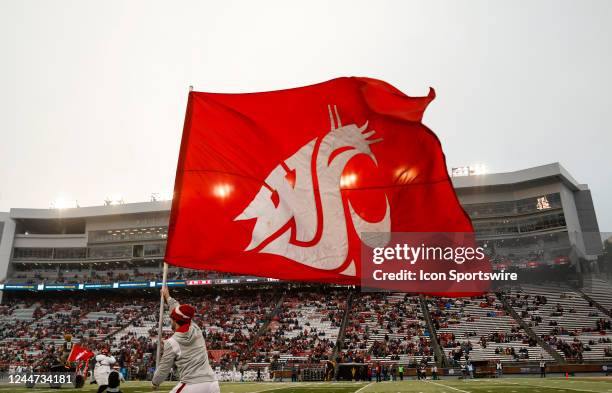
{"type": "Point", "coordinates": [448, 385]}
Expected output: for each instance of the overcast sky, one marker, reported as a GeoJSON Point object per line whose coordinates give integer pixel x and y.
{"type": "Point", "coordinates": [93, 94]}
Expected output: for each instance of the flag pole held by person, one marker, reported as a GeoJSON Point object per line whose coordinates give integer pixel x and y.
{"type": "Point", "coordinates": [186, 351]}
{"type": "Point", "coordinates": [160, 325]}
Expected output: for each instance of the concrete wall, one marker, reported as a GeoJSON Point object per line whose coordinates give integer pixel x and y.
{"type": "Point", "coordinates": [7, 233]}
{"type": "Point", "coordinates": [128, 221]}
{"type": "Point", "coordinates": [92, 211]}
{"type": "Point", "coordinates": [588, 222]}
{"type": "Point", "coordinates": [572, 221]}
{"type": "Point", "coordinates": [6, 243]}
{"type": "Point", "coordinates": [43, 241]}
{"type": "Point", "coordinates": [508, 192]}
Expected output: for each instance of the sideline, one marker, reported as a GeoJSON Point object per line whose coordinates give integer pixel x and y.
{"type": "Point", "coordinates": [554, 387]}
{"type": "Point", "coordinates": [363, 387]}
{"type": "Point", "coordinates": [269, 389]}
{"type": "Point", "coordinates": [447, 386]}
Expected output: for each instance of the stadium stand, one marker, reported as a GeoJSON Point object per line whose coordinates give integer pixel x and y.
{"type": "Point", "coordinates": [306, 327]}
{"type": "Point", "coordinates": [565, 320]}
{"type": "Point", "coordinates": [386, 328]}
{"type": "Point", "coordinates": [480, 328]}
{"type": "Point", "coordinates": [286, 324]}
{"type": "Point", "coordinates": [599, 290]}
{"type": "Point", "coordinates": [30, 273]}
{"type": "Point", "coordinates": [31, 332]}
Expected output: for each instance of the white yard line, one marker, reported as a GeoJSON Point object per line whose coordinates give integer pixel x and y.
{"type": "Point", "coordinates": [502, 382]}
{"type": "Point", "coordinates": [447, 386]}
{"type": "Point", "coordinates": [555, 387]}
{"type": "Point", "coordinates": [284, 386]}
{"type": "Point", "coordinates": [363, 387]}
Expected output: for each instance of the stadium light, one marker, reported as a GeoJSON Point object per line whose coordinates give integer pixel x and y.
{"type": "Point", "coordinates": [460, 171]}
{"type": "Point", "coordinates": [162, 196]}
{"type": "Point", "coordinates": [478, 169]}
{"type": "Point", "coordinates": [63, 203]}
{"type": "Point", "coordinates": [469, 170]}
{"type": "Point", "coordinates": [113, 200]}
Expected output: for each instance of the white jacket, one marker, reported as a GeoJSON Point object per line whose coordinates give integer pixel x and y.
{"type": "Point", "coordinates": [187, 352]}
{"type": "Point", "coordinates": [103, 368]}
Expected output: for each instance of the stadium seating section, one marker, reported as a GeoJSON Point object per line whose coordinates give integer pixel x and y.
{"type": "Point", "coordinates": [282, 324]}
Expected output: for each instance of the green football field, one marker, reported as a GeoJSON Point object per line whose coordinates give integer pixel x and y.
{"type": "Point", "coordinates": [509, 385]}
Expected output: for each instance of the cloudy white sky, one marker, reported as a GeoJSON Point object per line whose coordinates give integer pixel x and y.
{"type": "Point", "coordinates": [92, 94]}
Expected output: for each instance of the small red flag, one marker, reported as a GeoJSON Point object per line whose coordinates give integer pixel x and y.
{"type": "Point", "coordinates": [79, 353]}
{"type": "Point", "coordinates": [284, 184]}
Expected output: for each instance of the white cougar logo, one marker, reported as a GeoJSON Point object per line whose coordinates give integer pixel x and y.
{"type": "Point", "coordinates": [300, 209]}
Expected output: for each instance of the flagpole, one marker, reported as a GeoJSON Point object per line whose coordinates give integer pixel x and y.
{"type": "Point", "coordinates": [161, 304]}
{"type": "Point", "coordinates": [161, 316]}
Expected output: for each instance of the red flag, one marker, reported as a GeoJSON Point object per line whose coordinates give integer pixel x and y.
{"type": "Point", "coordinates": [283, 184]}
{"type": "Point", "coordinates": [79, 353]}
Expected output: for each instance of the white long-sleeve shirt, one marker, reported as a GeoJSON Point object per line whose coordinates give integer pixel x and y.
{"type": "Point", "coordinates": [187, 352]}
{"type": "Point", "coordinates": [103, 368]}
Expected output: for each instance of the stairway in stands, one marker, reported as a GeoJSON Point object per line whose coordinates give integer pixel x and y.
{"type": "Point", "coordinates": [598, 292]}
{"type": "Point", "coordinates": [440, 357]}
{"type": "Point", "coordinates": [566, 319]}
{"type": "Point", "coordinates": [549, 350]}
{"type": "Point", "coordinates": [340, 341]}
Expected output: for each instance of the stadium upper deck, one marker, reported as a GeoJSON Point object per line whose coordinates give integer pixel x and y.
{"type": "Point", "coordinates": [535, 215]}
{"type": "Point", "coordinates": [539, 215]}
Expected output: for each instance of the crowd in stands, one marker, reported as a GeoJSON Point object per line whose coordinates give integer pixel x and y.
{"type": "Point", "coordinates": [478, 327]}
{"type": "Point", "coordinates": [570, 324]}
{"type": "Point", "coordinates": [284, 325]}
{"type": "Point", "coordinates": [306, 327]}
{"type": "Point", "coordinates": [32, 328]}
{"type": "Point", "coordinates": [382, 326]}
{"type": "Point", "coordinates": [229, 320]}
{"type": "Point", "coordinates": [104, 274]}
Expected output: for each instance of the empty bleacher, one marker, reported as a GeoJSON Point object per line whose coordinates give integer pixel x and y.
{"type": "Point", "coordinates": [481, 327]}
{"type": "Point", "coordinates": [562, 317]}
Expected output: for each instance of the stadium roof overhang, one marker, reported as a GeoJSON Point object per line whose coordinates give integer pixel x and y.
{"type": "Point", "coordinates": [91, 211]}
{"type": "Point", "coordinates": [554, 171]}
